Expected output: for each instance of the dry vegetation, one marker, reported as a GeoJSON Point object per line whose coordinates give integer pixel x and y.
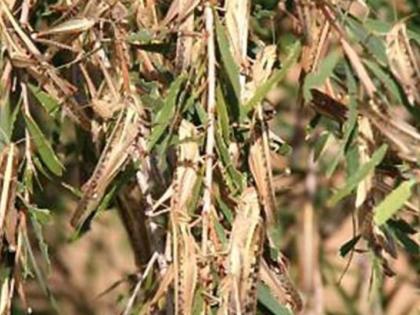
{"type": "Point", "coordinates": [209, 157]}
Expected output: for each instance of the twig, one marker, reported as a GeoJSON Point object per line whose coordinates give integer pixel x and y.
{"type": "Point", "coordinates": [6, 185]}
{"type": "Point", "coordinates": [211, 104]}
{"type": "Point", "coordinates": [139, 283]}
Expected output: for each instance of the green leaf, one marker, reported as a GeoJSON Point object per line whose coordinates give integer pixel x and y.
{"type": "Point", "coordinates": [220, 231]}
{"type": "Point", "coordinates": [402, 226]}
{"type": "Point", "coordinates": [44, 148]}
{"type": "Point", "coordinates": [50, 104]}
{"type": "Point", "coordinates": [270, 302]}
{"type": "Point", "coordinates": [377, 26]}
{"type": "Point", "coordinates": [360, 174]}
{"type": "Point", "coordinates": [393, 202]}
{"type": "Point", "coordinates": [414, 36]}
{"type": "Point", "coordinates": [7, 120]}
{"type": "Point", "coordinates": [275, 78]}
{"type": "Point", "coordinates": [43, 216]}
{"type": "Point", "coordinates": [385, 78]}
{"type": "Point", "coordinates": [350, 123]}
{"type": "Point", "coordinates": [75, 191]}
{"type": "Point", "coordinates": [42, 279]}
{"type": "Point", "coordinates": [321, 145]}
{"type": "Point", "coordinates": [40, 167]}
{"type": "Point", "coordinates": [222, 114]}
{"type": "Point", "coordinates": [229, 63]}
{"type": "Point", "coordinates": [227, 213]}
{"type": "Point", "coordinates": [348, 246]}
{"type": "Point", "coordinates": [409, 245]}
{"type": "Point", "coordinates": [232, 176]}
{"type": "Point", "coordinates": [166, 113]}
{"type": "Point", "coordinates": [373, 44]}
{"type": "Point", "coordinates": [316, 79]}
{"type": "Point", "coordinates": [37, 228]}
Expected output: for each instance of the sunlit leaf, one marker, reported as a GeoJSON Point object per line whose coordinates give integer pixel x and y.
{"type": "Point", "coordinates": [229, 63]}
{"type": "Point", "coordinates": [360, 174]}
{"type": "Point", "coordinates": [44, 148]}
{"type": "Point", "coordinates": [393, 202]}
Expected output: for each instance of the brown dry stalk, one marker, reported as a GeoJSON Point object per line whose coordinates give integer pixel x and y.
{"type": "Point", "coordinates": [8, 162]}
{"type": "Point", "coordinates": [211, 120]}
{"type": "Point", "coordinates": [136, 290]}
{"type": "Point", "coordinates": [10, 230]}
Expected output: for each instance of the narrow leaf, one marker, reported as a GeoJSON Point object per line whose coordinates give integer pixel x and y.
{"type": "Point", "coordinates": [316, 79]}
{"type": "Point", "coordinates": [229, 63]}
{"type": "Point", "coordinates": [393, 202]}
{"type": "Point", "coordinates": [360, 174]}
{"type": "Point", "coordinates": [165, 114]}
{"type": "Point", "coordinates": [348, 246]}
{"type": "Point", "coordinates": [50, 104]}
{"type": "Point", "coordinates": [44, 148]}
{"type": "Point", "coordinates": [269, 301]}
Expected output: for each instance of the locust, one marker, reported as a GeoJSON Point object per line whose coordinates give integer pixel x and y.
{"type": "Point", "coordinates": [259, 162]}
{"type": "Point", "coordinates": [259, 153]}
{"type": "Point", "coordinates": [280, 284]}
{"type": "Point", "coordinates": [25, 54]}
{"type": "Point", "coordinates": [403, 62]}
{"type": "Point", "coordinates": [184, 252]}
{"type": "Point", "coordinates": [370, 232]}
{"type": "Point", "coordinates": [261, 170]}
{"type": "Point", "coordinates": [365, 201]}
{"type": "Point", "coordinates": [400, 135]}
{"type": "Point", "coordinates": [315, 29]}
{"type": "Point", "coordinates": [113, 157]}
{"type": "Point", "coordinates": [238, 287]}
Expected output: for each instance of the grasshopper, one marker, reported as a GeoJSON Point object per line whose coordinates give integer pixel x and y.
{"type": "Point", "coordinates": [376, 241]}
{"type": "Point", "coordinates": [24, 53]}
{"type": "Point", "coordinates": [259, 154]}
{"type": "Point", "coordinates": [185, 254]}
{"type": "Point", "coordinates": [400, 135]}
{"type": "Point", "coordinates": [238, 288]}
{"type": "Point", "coordinates": [403, 62]}
{"type": "Point", "coordinates": [315, 29]}
{"type": "Point", "coordinates": [112, 160]}
{"type": "Point", "coordinates": [280, 284]}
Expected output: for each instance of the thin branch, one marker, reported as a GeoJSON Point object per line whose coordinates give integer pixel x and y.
{"type": "Point", "coordinates": [138, 285]}
{"type": "Point", "coordinates": [211, 104]}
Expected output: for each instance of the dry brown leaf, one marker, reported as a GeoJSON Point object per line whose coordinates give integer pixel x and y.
{"type": "Point", "coordinates": [402, 61]}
